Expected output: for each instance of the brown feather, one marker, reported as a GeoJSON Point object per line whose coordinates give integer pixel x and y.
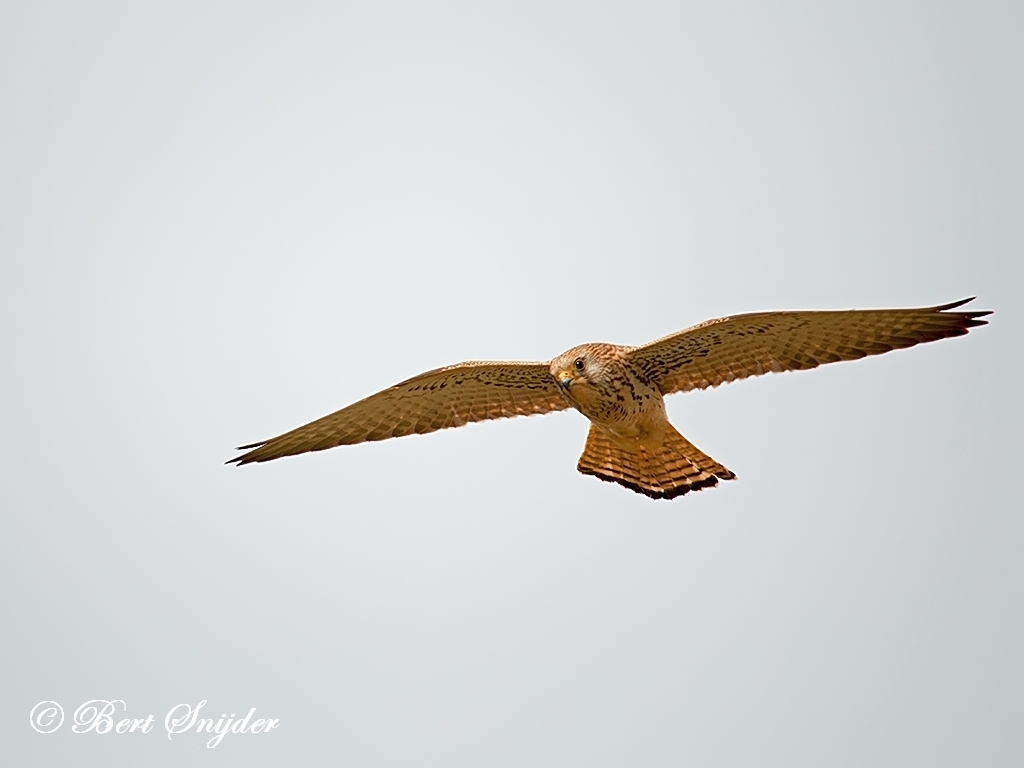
{"type": "Point", "coordinates": [672, 469]}
{"type": "Point", "coordinates": [731, 348]}
{"type": "Point", "coordinates": [439, 399]}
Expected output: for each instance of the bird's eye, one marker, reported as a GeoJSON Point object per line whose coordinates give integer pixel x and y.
{"type": "Point", "coordinates": [579, 363]}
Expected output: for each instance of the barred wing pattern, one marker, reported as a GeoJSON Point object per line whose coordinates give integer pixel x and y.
{"type": "Point", "coordinates": [731, 348]}
{"type": "Point", "coordinates": [438, 399]}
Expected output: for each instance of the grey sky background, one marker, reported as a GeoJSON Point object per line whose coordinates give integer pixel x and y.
{"type": "Point", "coordinates": [222, 220]}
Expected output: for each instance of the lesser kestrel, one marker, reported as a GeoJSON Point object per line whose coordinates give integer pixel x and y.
{"type": "Point", "coordinates": [621, 389]}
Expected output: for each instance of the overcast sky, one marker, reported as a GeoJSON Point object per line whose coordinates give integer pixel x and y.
{"type": "Point", "coordinates": [219, 221]}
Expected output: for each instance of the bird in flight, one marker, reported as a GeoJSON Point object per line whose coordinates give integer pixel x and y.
{"type": "Point", "coordinates": [621, 390]}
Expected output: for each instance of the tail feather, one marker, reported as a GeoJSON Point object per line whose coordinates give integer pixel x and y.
{"type": "Point", "coordinates": [675, 467]}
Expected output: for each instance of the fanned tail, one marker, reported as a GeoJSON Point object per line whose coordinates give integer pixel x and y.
{"type": "Point", "coordinates": [675, 467]}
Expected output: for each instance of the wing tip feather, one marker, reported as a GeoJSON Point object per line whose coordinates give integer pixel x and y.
{"type": "Point", "coordinates": [954, 304]}
{"type": "Point", "coordinates": [247, 458]}
{"type": "Point", "coordinates": [969, 319]}
{"type": "Point", "coordinates": [971, 315]}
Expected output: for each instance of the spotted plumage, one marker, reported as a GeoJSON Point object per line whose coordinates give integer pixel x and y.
{"type": "Point", "coordinates": [621, 389]}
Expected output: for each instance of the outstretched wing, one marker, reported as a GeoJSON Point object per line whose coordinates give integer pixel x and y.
{"type": "Point", "coordinates": [732, 348]}
{"type": "Point", "coordinates": [446, 397]}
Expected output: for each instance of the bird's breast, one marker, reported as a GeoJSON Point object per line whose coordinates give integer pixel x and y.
{"type": "Point", "coordinates": [621, 402]}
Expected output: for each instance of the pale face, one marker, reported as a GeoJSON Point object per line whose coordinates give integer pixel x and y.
{"type": "Point", "coordinates": [577, 368]}
{"type": "Point", "coordinates": [585, 376]}
{"type": "Point", "coordinates": [572, 367]}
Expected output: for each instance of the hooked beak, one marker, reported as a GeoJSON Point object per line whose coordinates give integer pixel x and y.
{"type": "Point", "coordinates": [565, 379]}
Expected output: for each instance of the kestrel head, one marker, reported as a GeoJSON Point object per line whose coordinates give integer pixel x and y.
{"type": "Point", "coordinates": [581, 370]}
